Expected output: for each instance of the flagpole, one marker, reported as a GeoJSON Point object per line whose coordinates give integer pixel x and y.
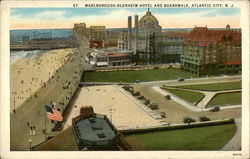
{"type": "Point", "coordinates": [45, 129]}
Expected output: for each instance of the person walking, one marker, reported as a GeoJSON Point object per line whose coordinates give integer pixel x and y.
{"type": "Point", "coordinates": [34, 131]}
{"type": "Point", "coordinates": [31, 131]}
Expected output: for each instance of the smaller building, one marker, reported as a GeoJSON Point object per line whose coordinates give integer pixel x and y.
{"type": "Point", "coordinates": [94, 131]}
{"type": "Point", "coordinates": [171, 46]}
{"type": "Point", "coordinates": [45, 43]}
{"type": "Point", "coordinates": [97, 33]}
{"type": "Point", "coordinates": [101, 60]}
{"type": "Point", "coordinates": [118, 59]}
{"type": "Point", "coordinates": [80, 30]}
{"type": "Point", "coordinates": [96, 44]}
{"type": "Point", "coordinates": [123, 41]}
{"type": "Point", "coordinates": [110, 59]}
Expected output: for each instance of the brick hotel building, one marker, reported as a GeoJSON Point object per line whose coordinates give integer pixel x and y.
{"type": "Point", "coordinates": [212, 51]}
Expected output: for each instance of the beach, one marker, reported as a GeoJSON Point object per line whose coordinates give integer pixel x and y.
{"type": "Point", "coordinates": [30, 74]}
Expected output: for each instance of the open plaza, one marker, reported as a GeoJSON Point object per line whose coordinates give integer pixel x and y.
{"type": "Point", "coordinates": [127, 112]}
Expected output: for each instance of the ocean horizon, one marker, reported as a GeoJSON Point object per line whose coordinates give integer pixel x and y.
{"type": "Point", "coordinates": [17, 55]}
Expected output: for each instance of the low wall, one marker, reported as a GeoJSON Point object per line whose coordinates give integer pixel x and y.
{"type": "Point", "coordinates": [177, 126]}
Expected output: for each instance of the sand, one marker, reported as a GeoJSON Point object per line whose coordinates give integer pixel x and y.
{"type": "Point", "coordinates": [106, 99]}
{"type": "Point", "coordinates": [28, 75]}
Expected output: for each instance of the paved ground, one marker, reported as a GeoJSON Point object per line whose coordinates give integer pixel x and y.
{"type": "Point", "coordinates": [235, 143]}
{"type": "Point", "coordinates": [109, 97]}
{"type": "Point", "coordinates": [174, 111]}
{"type": "Point", "coordinates": [125, 112]}
{"type": "Point", "coordinates": [64, 141]}
{"type": "Point", "coordinates": [32, 111]}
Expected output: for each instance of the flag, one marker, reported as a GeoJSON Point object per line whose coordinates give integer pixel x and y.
{"type": "Point", "coordinates": [53, 114]}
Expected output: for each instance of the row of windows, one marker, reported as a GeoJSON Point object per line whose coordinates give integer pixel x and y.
{"type": "Point", "coordinates": [189, 59]}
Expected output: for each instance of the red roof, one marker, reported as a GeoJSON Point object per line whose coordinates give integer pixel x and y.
{"type": "Point", "coordinates": [233, 62]}
{"type": "Point", "coordinates": [116, 54]}
{"type": "Point", "coordinates": [178, 34]}
{"type": "Point", "coordinates": [205, 37]}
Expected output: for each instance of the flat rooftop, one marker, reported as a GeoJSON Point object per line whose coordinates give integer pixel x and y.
{"type": "Point", "coordinates": [94, 129]}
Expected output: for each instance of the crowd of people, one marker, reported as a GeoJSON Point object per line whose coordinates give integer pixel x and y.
{"type": "Point", "coordinates": [29, 75]}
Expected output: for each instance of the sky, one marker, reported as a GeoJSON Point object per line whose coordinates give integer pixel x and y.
{"type": "Point", "coordinates": [46, 18]}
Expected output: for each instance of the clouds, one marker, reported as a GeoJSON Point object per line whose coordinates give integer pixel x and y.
{"type": "Point", "coordinates": [27, 18]}
{"type": "Point", "coordinates": [200, 18]}
{"type": "Point", "coordinates": [51, 15]}
{"type": "Point", "coordinates": [223, 12]}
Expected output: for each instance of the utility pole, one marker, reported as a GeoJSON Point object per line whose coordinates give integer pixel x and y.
{"type": "Point", "coordinates": [14, 105]}
{"type": "Point", "coordinates": [110, 113]}
{"type": "Point", "coordinates": [45, 114]}
{"type": "Point", "coordinates": [30, 140]}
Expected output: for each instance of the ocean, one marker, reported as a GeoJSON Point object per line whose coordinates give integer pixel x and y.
{"type": "Point", "coordinates": [16, 35]}
{"type": "Point", "coordinates": [16, 38]}
{"type": "Point", "coordinates": [16, 55]}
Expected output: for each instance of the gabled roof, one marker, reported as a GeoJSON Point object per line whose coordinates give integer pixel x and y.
{"type": "Point", "coordinates": [205, 37]}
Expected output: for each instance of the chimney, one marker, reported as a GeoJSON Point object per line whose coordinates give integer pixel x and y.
{"type": "Point", "coordinates": [129, 32]}
{"type": "Point", "coordinates": [136, 33]}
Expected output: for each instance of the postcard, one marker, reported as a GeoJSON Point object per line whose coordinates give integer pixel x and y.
{"type": "Point", "coordinates": [119, 79]}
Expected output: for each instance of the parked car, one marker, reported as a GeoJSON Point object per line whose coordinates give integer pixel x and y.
{"type": "Point", "coordinates": [204, 118]}
{"type": "Point", "coordinates": [136, 93]}
{"type": "Point", "coordinates": [154, 106]}
{"type": "Point", "coordinates": [188, 120]}
{"type": "Point", "coordinates": [215, 109]}
{"type": "Point", "coordinates": [163, 114]}
{"type": "Point", "coordinates": [141, 97]}
{"type": "Point", "coordinates": [147, 102]}
{"type": "Point", "coordinates": [137, 81]}
{"type": "Point", "coordinates": [180, 79]}
{"type": "Point", "coordinates": [168, 97]}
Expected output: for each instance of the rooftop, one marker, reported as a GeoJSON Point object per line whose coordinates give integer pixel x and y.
{"type": "Point", "coordinates": [205, 36]}
{"type": "Point", "coordinates": [94, 129]}
{"type": "Point", "coordinates": [178, 34]}
{"type": "Point", "coordinates": [116, 54]}
{"type": "Point", "coordinates": [233, 62]}
{"type": "Point", "coordinates": [148, 18]}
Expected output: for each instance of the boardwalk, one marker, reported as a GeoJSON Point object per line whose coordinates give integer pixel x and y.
{"type": "Point", "coordinates": [32, 111]}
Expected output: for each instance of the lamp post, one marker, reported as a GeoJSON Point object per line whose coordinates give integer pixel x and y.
{"type": "Point", "coordinates": [30, 89]}
{"type": "Point", "coordinates": [30, 140]}
{"type": "Point", "coordinates": [111, 111]}
{"type": "Point", "coordinates": [14, 105]}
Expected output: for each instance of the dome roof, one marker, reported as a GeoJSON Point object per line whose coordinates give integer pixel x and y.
{"type": "Point", "coordinates": [148, 18]}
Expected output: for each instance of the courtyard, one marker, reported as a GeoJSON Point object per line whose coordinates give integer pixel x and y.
{"type": "Point", "coordinates": [111, 101]}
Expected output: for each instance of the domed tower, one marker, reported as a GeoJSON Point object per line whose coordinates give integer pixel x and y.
{"type": "Point", "coordinates": [147, 41]}
{"type": "Point", "coordinates": [148, 24]}
{"type": "Point", "coordinates": [228, 27]}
